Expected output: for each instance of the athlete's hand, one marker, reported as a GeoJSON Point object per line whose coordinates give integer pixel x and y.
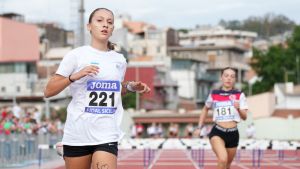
{"type": "Point", "coordinates": [236, 104]}
{"type": "Point", "coordinates": [90, 70]}
{"type": "Point", "coordinates": [140, 87]}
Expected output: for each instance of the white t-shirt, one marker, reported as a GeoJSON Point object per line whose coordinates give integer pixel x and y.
{"type": "Point", "coordinates": [151, 130]}
{"type": "Point", "coordinates": [222, 104]}
{"type": "Point", "coordinates": [133, 131]}
{"type": "Point", "coordinates": [17, 111]}
{"type": "Point", "coordinates": [95, 112]}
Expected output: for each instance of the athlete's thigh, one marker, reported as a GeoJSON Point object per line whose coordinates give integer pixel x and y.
{"type": "Point", "coordinates": [231, 154]}
{"type": "Point", "coordinates": [104, 160]}
{"type": "Point", "coordinates": [83, 162]}
{"type": "Point", "coordinates": [218, 147]}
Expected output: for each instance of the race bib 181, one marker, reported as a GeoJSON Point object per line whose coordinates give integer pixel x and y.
{"type": "Point", "coordinates": [224, 110]}
{"type": "Point", "coordinates": [102, 96]}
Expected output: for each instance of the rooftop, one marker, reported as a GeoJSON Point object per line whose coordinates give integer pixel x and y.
{"type": "Point", "coordinates": [137, 27]}
{"type": "Point", "coordinates": [19, 42]}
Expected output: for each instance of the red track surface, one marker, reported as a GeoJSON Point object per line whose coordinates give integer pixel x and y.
{"type": "Point", "coordinates": [182, 159]}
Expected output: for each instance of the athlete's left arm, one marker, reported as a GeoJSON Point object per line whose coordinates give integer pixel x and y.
{"type": "Point", "coordinates": [242, 106]}
{"type": "Point", "coordinates": [243, 113]}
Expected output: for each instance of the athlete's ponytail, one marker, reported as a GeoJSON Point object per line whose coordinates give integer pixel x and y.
{"type": "Point", "coordinates": [110, 45]}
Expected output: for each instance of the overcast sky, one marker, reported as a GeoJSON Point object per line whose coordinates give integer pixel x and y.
{"type": "Point", "coordinates": [163, 13]}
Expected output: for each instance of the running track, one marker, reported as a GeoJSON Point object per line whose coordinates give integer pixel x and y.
{"type": "Point", "coordinates": [182, 159]}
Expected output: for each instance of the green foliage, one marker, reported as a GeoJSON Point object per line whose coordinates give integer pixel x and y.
{"type": "Point", "coordinates": [62, 114]}
{"type": "Point", "coordinates": [232, 24]}
{"type": "Point", "coordinates": [183, 30]}
{"type": "Point", "coordinates": [268, 25]}
{"type": "Point", "coordinates": [128, 100]}
{"type": "Point", "coordinates": [294, 42]}
{"type": "Point", "coordinates": [277, 65]}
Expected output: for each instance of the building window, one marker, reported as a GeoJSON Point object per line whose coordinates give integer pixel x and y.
{"type": "Point", "coordinates": [3, 89]}
{"type": "Point", "coordinates": [154, 35]}
{"type": "Point", "coordinates": [18, 89]}
{"type": "Point", "coordinates": [220, 52]}
{"type": "Point", "coordinates": [20, 67]}
{"type": "Point", "coordinates": [211, 57]}
{"type": "Point", "coordinates": [158, 49]}
{"type": "Point", "coordinates": [144, 51]}
{"type": "Point", "coordinates": [7, 68]}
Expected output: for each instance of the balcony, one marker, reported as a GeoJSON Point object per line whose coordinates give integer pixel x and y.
{"type": "Point", "coordinates": [206, 77]}
{"type": "Point", "coordinates": [160, 82]}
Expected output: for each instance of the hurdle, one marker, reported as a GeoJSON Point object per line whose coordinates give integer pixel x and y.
{"type": "Point", "coordinates": [42, 147]}
{"type": "Point", "coordinates": [148, 157]}
{"type": "Point", "coordinates": [256, 158]}
{"type": "Point", "coordinates": [198, 155]}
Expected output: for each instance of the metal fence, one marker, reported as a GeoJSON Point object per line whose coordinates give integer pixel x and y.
{"type": "Point", "coordinates": [20, 150]}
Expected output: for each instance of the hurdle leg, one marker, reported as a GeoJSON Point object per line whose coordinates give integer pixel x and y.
{"type": "Point", "coordinates": [40, 158]}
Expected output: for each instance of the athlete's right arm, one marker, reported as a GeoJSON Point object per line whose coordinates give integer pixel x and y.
{"type": "Point", "coordinates": [207, 106]}
{"type": "Point", "coordinates": [203, 116]}
{"type": "Point", "coordinates": [58, 82]}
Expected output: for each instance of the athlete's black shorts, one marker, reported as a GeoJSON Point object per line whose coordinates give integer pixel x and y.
{"type": "Point", "coordinates": [77, 151]}
{"type": "Point", "coordinates": [229, 135]}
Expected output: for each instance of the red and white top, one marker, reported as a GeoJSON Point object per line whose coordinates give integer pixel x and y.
{"type": "Point", "coordinates": [222, 104]}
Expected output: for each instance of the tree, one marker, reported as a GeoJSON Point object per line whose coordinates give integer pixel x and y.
{"type": "Point", "coordinates": [233, 24]}
{"type": "Point", "coordinates": [294, 51]}
{"type": "Point", "coordinates": [268, 25]}
{"type": "Point", "coordinates": [276, 65]}
{"type": "Point", "coordinates": [129, 100]}
{"type": "Point", "coordinates": [183, 30]}
{"type": "Point", "coordinates": [62, 114]}
{"type": "Point", "coordinates": [253, 24]}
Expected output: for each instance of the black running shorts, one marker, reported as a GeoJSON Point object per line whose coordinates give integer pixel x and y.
{"type": "Point", "coordinates": [229, 135]}
{"type": "Point", "coordinates": [77, 151]}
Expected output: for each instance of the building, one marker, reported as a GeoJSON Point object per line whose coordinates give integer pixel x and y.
{"type": "Point", "coordinates": [198, 69]}
{"type": "Point", "coordinates": [283, 102]}
{"type": "Point", "coordinates": [146, 50]}
{"type": "Point", "coordinates": [275, 111]}
{"type": "Point", "coordinates": [155, 74]}
{"type": "Point", "coordinates": [142, 39]}
{"type": "Point", "coordinates": [13, 16]}
{"type": "Point", "coordinates": [168, 117]}
{"type": "Point", "coordinates": [280, 39]}
{"type": "Point", "coordinates": [287, 100]}
{"type": "Point", "coordinates": [201, 55]}
{"type": "Point", "coordinates": [148, 40]}
{"type": "Point", "coordinates": [218, 36]}
{"type": "Point", "coordinates": [19, 53]}
{"type": "Point", "coordinates": [21, 61]}
{"type": "Point", "coordinates": [53, 36]}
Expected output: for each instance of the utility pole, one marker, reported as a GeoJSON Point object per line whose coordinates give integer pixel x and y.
{"type": "Point", "coordinates": [297, 70]}
{"type": "Point", "coordinates": [137, 95]}
{"type": "Point", "coordinates": [47, 100]}
{"type": "Point", "coordinates": [81, 11]}
{"type": "Point", "coordinates": [286, 75]}
{"type": "Point", "coordinates": [2, 6]}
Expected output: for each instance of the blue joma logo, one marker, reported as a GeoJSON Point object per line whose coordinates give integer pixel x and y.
{"type": "Point", "coordinates": [103, 85]}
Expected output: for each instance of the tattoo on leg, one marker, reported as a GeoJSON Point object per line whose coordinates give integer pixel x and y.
{"type": "Point", "coordinates": [104, 166]}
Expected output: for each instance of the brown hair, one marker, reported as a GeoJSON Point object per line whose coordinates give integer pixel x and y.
{"type": "Point", "coordinates": [230, 68]}
{"type": "Point", "coordinates": [110, 45]}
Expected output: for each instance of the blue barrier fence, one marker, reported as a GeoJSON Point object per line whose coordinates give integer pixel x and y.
{"type": "Point", "coordinates": [20, 150]}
